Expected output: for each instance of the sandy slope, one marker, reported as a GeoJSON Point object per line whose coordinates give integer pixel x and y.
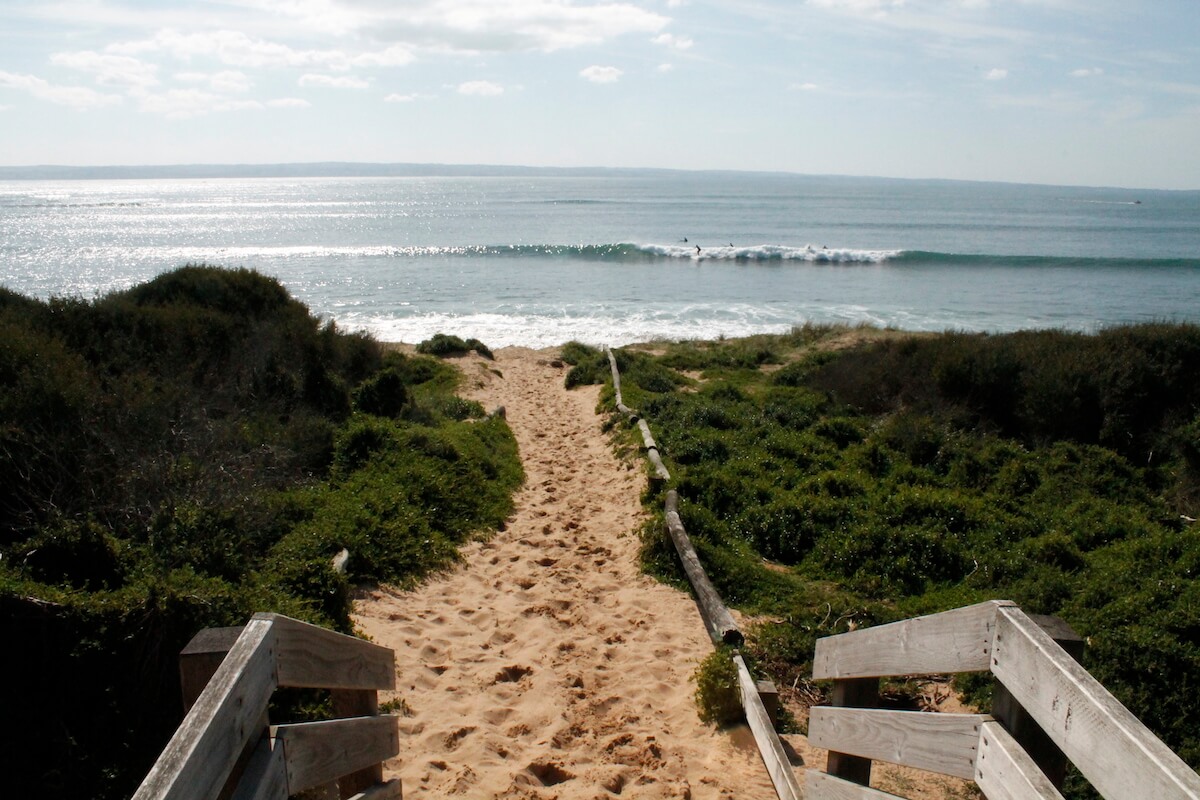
{"type": "Point", "coordinates": [546, 665]}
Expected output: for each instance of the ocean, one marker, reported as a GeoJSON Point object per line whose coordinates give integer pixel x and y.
{"type": "Point", "coordinates": [627, 256]}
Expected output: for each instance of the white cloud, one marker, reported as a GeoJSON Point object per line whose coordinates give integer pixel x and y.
{"type": "Point", "coordinates": [188, 103]}
{"type": "Point", "coordinates": [394, 56]}
{"type": "Point", "coordinates": [233, 48]}
{"type": "Point", "coordinates": [598, 74]}
{"type": "Point", "coordinates": [227, 81]}
{"type": "Point", "coordinates": [480, 88]}
{"type": "Point", "coordinates": [665, 67]}
{"type": "Point", "coordinates": [865, 8]}
{"type": "Point", "coordinates": [78, 97]}
{"type": "Point", "coordinates": [805, 87]}
{"type": "Point", "coordinates": [230, 81]}
{"type": "Point", "coordinates": [396, 97]}
{"type": "Point", "coordinates": [674, 42]}
{"type": "Point", "coordinates": [108, 69]}
{"type": "Point", "coordinates": [514, 25]}
{"type": "Point", "coordinates": [288, 102]}
{"type": "Point", "coordinates": [996, 74]}
{"type": "Point", "coordinates": [1086, 72]}
{"type": "Point", "coordinates": [333, 81]}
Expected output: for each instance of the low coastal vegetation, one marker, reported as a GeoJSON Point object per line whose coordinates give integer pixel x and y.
{"type": "Point", "coordinates": [186, 453]}
{"type": "Point", "coordinates": [837, 478]}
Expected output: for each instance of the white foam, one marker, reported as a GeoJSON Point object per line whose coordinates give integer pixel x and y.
{"type": "Point", "coordinates": [770, 252]}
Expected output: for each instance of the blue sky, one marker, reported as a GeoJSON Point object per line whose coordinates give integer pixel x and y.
{"type": "Point", "coordinates": [1096, 92]}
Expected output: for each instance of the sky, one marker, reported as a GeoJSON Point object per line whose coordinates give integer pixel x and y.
{"type": "Point", "coordinates": [1079, 92]}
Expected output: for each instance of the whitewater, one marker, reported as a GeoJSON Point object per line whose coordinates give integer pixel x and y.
{"type": "Point", "coordinates": [620, 257]}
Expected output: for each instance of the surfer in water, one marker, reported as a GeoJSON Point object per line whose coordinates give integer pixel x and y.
{"type": "Point", "coordinates": [697, 249]}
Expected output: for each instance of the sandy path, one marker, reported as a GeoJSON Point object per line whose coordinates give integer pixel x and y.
{"type": "Point", "coordinates": [546, 665]}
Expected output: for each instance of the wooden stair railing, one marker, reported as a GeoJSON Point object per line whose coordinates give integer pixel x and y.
{"type": "Point", "coordinates": [1042, 683]}
{"type": "Point", "coordinates": [225, 746]}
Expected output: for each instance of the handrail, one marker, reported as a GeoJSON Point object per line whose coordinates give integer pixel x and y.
{"type": "Point", "coordinates": [1119, 755]}
{"type": "Point", "coordinates": [224, 743]}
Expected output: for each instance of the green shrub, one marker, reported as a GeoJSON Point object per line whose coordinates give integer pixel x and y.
{"type": "Point", "coordinates": [383, 394]}
{"type": "Point", "coordinates": [182, 455]}
{"type": "Point", "coordinates": [717, 691]}
{"type": "Point", "coordinates": [442, 345]}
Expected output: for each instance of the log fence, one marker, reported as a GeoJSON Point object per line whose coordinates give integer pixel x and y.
{"type": "Point", "coordinates": [1047, 709]}
{"type": "Point", "coordinates": [225, 746]}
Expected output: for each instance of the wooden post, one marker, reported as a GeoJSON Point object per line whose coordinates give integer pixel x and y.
{"type": "Point", "coordinates": [853, 693]}
{"type": "Point", "coordinates": [200, 659]}
{"type": "Point", "coordinates": [198, 662]}
{"type": "Point", "coordinates": [769, 696]}
{"type": "Point", "coordinates": [357, 703]}
{"type": "Point", "coordinates": [1017, 720]}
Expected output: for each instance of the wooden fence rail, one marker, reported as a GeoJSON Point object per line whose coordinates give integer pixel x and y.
{"type": "Point", "coordinates": [1077, 716]}
{"type": "Point", "coordinates": [225, 747]}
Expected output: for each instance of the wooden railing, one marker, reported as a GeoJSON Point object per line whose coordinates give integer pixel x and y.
{"type": "Point", "coordinates": [1048, 708]}
{"type": "Point", "coordinates": [225, 746]}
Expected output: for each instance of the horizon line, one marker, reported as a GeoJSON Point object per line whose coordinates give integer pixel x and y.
{"type": "Point", "coordinates": [386, 169]}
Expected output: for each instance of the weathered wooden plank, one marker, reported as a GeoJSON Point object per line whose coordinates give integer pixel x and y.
{"type": "Point", "coordinates": [769, 745]}
{"type": "Point", "coordinates": [265, 777]}
{"type": "Point", "coordinates": [717, 618]}
{"type": "Point", "coordinates": [1119, 755]}
{"type": "Point", "coordinates": [822, 786]}
{"type": "Point", "coordinates": [317, 753]}
{"type": "Point", "coordinates": [357, 703]}
{"type": "Point", "coordinates": [382, 791]}
{"type": "Point", "coordinates": [852, 693]}
{"type": "Point", "coordinates": [310, 656]}
{"type": "Point", "coordinates": [1018, 722]}
{"type": "Point", "coordinates": [952, 641]}
{"type": "Point", "coordinates": [207, 744]}
{"type": "Point", "coordinates": [1004, 771]}
{"type": "Point", "coordinates": [198, 661]}
{"type": "Point", "coordinates": [943, 743]}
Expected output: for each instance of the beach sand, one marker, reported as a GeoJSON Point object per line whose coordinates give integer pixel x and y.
{"type": "Point", "coordinates": [546, 665]}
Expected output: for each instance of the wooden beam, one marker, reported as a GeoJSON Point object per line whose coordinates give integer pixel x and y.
{"type": "Point", "coordinates": [1004, 771]}
{"type": "Point", "coordinates": [318, 753]}
{"type": "Point", "coordinates": [647, 439]}
{"type": "Point", "coordinates": [717, 618]}
{"type": "Point", "coordinates": [616, 378]}
{"type": "Point", "coordinates": [1018, 722]}
{"type": "Point", "coordinates": [660, 469]}
{"type": "Point", "coordinates": [952, 641]}
{"type": "Point", "coordinates": [769, 745]}
{"type": "Point", "coordinates": [942, 743]}
{"type": "Point", "coordinates": [1119, 755]}
{"type": "Point", "coordinates": [852, 693]}
{"type": "Point", "coordinates": [314, 657]}
{"type": "Point", "coordinates": [382, 791]}
{"type": "Point", "coordinates": [206, 746]}
{"type": "Point", "coordinates": [265, 777]}
{"type": "Point", "coordinates": [357, 703]}
{"type": "Point", "coordinates": [822, 786]}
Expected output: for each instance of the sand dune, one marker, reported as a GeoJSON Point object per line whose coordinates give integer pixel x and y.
{"type": "Point", "coordinates": [546, 665]}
